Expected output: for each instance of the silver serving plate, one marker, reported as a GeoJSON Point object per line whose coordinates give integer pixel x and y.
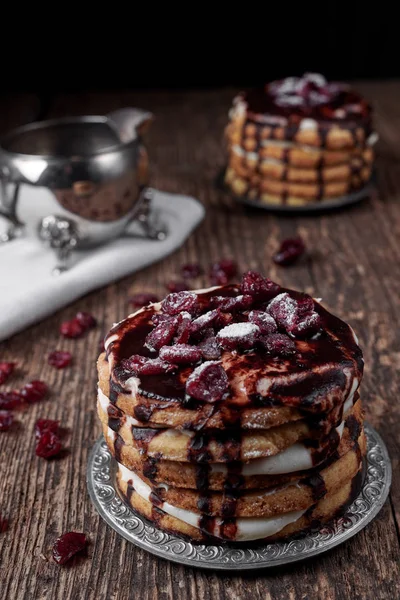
{"type": "Point", "coordinates": [97, 170]}
{"type": "Point", "coordinates": [136, 529]}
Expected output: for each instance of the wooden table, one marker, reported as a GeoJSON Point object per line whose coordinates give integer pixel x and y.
{"type": "Point", "coordinates": [353, 265]}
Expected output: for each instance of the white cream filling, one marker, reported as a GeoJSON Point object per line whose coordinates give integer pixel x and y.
{"type": "Point", "coordinates": [247, 528]}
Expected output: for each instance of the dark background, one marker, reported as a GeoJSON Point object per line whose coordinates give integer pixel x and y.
{"type": "Point", "coordinates": [245, 45]}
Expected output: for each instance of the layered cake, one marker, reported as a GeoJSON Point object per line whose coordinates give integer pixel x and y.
{"type": "Point", "coordinates": [233, 412]}
{"type": "Point", "coordinates": [299, 140]}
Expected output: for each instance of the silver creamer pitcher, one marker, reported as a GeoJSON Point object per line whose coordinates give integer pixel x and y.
{"type": "Point", "coordinates": [97, 169]}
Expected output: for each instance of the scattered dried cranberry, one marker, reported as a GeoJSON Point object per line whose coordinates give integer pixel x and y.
{"type": "Point", "coordinates": [43, 425]}
{"type": "Point", "coordinates": [183, 330]}
{"type": "Point", "coordinates": [48, 444]}
{"type": "Point", "coordinates": [34, 391]}
{"type": "Point", "coordinates": [222, 271]}
{"type": "Point", "coordinates": [180, 354]}
{"type": "Point", "coordinates": [181, 301]}
{"type": "Point", "coordinates": [283, 308]}
{"type": "Point", "coordinates": [290, 250]}
{"type": "Point", "coordinates": [307, 325]}
{"type": "Point", "coordinates": [279, 344]}
{"type": "Point", "coordinates": [162, 334]}
{"type": "Point", "coordinates": [243, 335]}
{"type": "Point", "coordinates": [67, 545]}
{"type": "Point", "coordinates": [208, 382]}
{"type": "Point", "coordinates": [258, 286]}
{"type": "Point", "coordinates": [143, 299]}
{"type": "Point", "coordinates": [6, 420]}
{"type": "Point", "coordinates": [209, 347]}
{"type": "Point", "coordinates": [72, 329]}
{"type": "Point", "coordinates": [242, 302]}
{"type": "Point", "coordinates": [6, 369]}
{"type": "Point", "coordinates": [204, 321]}
{"type": "Point", "coordinates": [86, 320]}
{"type": "Point", "coordinates": [191, 271]}
{"type": "Point", "coordinates": [10, 400]}
{"type": "Point", "coordinates": [264, 321]}
{"type": "Point", "coordinates": [3, 524]}
{"type": "Point", "coordinates": [140, 365]}
{"type": "Point", "coordinates": [177, 286]}
{"type": "Point", "coordinates": [59, 359]}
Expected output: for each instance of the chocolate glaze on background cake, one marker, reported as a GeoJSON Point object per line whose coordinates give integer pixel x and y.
{"type": "Point", "coordinates": [271, 430]}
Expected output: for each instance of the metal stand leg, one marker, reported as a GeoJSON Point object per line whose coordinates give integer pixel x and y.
{"type": "Point", "coordinates": [8, 210]}
{"type": "Point", "coordinates": [145, 217]}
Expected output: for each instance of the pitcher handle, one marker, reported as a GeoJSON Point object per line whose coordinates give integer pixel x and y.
{"type": "Point", "coordinates": [130, 123]}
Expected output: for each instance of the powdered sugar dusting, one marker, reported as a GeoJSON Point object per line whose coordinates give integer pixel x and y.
{"type": "Point", "coordinates": [283, 309]}
{"type": "Point", "coordinates": [238, 330]}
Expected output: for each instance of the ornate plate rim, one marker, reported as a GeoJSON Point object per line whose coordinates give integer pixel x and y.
{"type": "Point", "coordinates": [369, 502]}
{"type": "Point", "coordinates": [314, 207]}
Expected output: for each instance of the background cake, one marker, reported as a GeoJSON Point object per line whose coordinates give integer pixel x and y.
{"type": "Point", "coordinates": [234, 412]}
{"type": "Point", "coordinates": [299, 140]}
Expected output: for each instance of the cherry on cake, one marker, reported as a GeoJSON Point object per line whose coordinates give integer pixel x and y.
{"type": "Point", "coordinates": [234, 412]}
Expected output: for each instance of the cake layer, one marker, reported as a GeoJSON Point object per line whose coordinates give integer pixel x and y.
{"type": "Point", "coordinates": [173, 414]}
{"type": "Point", "coordinates": [317, 374]}
{"type": "Point", "coordinates": [220, 446]}
{"type": "Point", "coordinates": [291, 464]}
{"type": "Point", "coordinates": [250, 166]}
{"type": "Point", "coordinates": [297, 495]}
{"type": "Point", "coordinates": [201, 527]}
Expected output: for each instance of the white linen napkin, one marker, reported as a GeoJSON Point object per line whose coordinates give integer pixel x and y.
{"type": "Point", "coordinates": [28, 289]}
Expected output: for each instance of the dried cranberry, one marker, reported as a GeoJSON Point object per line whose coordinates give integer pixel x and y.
{"type": "Point", "coordinates": [209, 347]}
{"type": "Point", "coordinates": [264, 321]}
{"type": "Point", "coordinates": [191, 271]}
{"type": "Point", "coordinates": [295, 316]}
{"type": "Point", "coordinates": [34, 391]}
{"type": "Point", "coordinates": [101, 346]}
{"type": "Point", "coordinates": [223, 319]}
{"type": "Point", "coordinates": [72, 329]}
{"type": "Point", "coordinates": [226, 267]}
{"type": "Point", "coordinates": [67, 545]}
{"type": "Point", "coordinates": [242, 302]}
{"type": "Point", "coordinates": [43, 425]}
{"type": "Point", "coordinates": [208, 382]}
{"type": "Point", "coordinates": [48, 444]}
{"type": "Point", "coordinates": [180, 354]}
{"type": "Point", "coordinates": [86, 320]}
{"type": "Point", "coordinates": [160, 317]}
{"type": "Point", "coordinates": [6, 369]}
{"type": "Point", "coordinates": [162, 334]}
{"type": "Point", "coordinates": [290, 250]}
{"type": "Point", "coordinates": [6, 420]}
{"type": "Point", "coordinates": [143, 299]}
{"type": "Point", "coordinates": [177, 286]}
{"type": "Point", "coordinates": [204, 321]}
{"type": "Point", "coordinates": [140, 365]}
{"type": "Point", "coordinates": [10, 400]}
{"type": "Point", "coordinates": [181, 301]}
{"type": "Point", "coordinates": [59, 359]}
{"type": "Point", "coordinates": [183, 330]}
{"type": "Point", "coordinates": [283, 308]}
{"type": "Point", "coordinates": [243, 335]}
{"type": "Point", "coordinates": [258, 286]}
{"type": "Point", "coordinates": [278, 344]}
{"type": "Point", "coordinates": [3, 524]}
{"type": "Point", "coordinates": [218, 277]}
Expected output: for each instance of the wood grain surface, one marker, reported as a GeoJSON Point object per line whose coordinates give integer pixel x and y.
{"type": "Point", "coordinates": [353, 264]}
